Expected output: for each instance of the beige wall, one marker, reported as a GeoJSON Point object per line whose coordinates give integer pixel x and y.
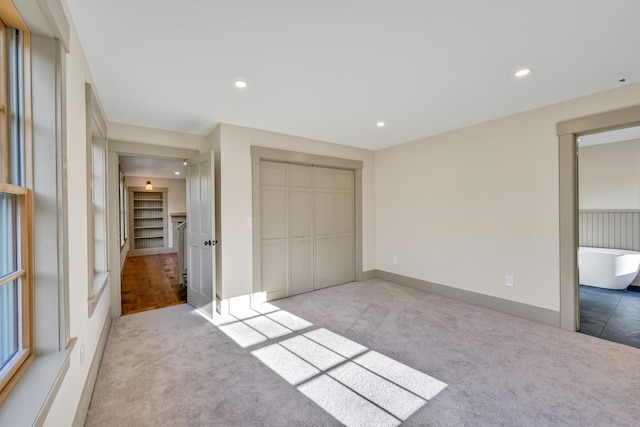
{"type": "Point", "coordinates": [468, 207]}
{"type": "Point", "coordinates": [86, 329]}
{"type": "Point", "coordinates": [609, 176]}
{"type": "Point", "coordinates": [158, 137]}
{"type": "Point", "coordinates": [236, 203]}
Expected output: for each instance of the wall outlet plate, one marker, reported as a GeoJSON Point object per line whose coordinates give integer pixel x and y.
{"type": "Point", "coordinates": [510, 280]}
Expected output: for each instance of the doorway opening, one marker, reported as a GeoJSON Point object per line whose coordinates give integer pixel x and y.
{"type": "Point", "coordinates": [609, 235]}
{"type": "Point", "coordinates": [152, 206]}
{"type": "Point", "coordinates": [568, 132]}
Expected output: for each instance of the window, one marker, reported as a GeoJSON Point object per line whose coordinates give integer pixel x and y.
{"type": "Point", "coordinates": [98, 231]}
{"type": "Point", "coordinates": [16, 277]}
{"type": "Point", "coordinates": [122, 202]}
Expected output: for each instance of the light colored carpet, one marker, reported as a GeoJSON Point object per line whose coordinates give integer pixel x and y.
{"type": "Point", "coordinates": [171, 367]}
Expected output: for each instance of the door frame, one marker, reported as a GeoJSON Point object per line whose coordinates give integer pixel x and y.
{"type": "Point", "coordinates": [126, 148]}
{"type": "Point", "coordinates": [568, 132]}
{"type": "Point", "coordinates": [293, 157]}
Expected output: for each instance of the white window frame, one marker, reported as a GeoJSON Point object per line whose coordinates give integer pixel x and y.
{"type": "Point", "coordinates": [29, 401]}
{"type": "Point", "coordinates": [122, 206]}
{"type": "Point", "coordinates": [18, 186]}
{"type": "Point", "coordinates": [97, 208]}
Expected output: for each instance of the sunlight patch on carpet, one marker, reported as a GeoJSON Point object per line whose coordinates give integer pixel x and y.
{"type": "Point", "coordinates": [289, 320]}
{"type": "Point", "coordinates": [357, 386]}
{"type": "Point", "coordinates": [249, 327]}
{"type": "Point", "coordinates": [411, 379]}
{"type": "Point", "coordinates": [319, 356]}
{"type": "Point", "coordinates": [341, 345]}
{"type": "Point", "coordinates": [286, 364]}
{"type": "Point", "coordinates": [344, 404]}
{"type": "Point", "coordinates": [373, 387]}
{"type": "Point", "coordinates": [242, 334]}
{"type": "Point", "coordinates": [267, 327]}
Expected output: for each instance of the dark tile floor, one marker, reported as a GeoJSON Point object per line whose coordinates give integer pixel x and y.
{"type": "Point", "coordinates": [611, 315]}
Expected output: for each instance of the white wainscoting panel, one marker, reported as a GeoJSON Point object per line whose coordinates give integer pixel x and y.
{"type": "Point", "coordinates": [615, 229]}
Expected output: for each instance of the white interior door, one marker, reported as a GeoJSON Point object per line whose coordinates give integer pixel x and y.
{"type": "Point", "coordinates": [201, 274]}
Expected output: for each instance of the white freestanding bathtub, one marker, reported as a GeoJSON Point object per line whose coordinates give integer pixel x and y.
{"type": "Point", "coordinates": [607, 268]}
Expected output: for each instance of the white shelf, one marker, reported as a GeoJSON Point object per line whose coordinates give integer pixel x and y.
{"type": "Point", "coordinates": [149, 231]}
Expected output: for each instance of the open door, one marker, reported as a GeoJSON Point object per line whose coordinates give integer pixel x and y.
{"type": "Point", "coordinates": [201, 274]}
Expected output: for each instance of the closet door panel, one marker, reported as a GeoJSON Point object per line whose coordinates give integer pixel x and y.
{"type": "Point", "coordinates": [345, 260]}
{"type": "Point", "coordinates": [324, 259]}
{"type": "Point", "coordinates": [301, 228]}
{"type": "Point", "coordinates": [324, 262]}
{"type": "Point", "coordinates": [274, 229]}
{"type": "Point", "coordinates": [345, 181]}
{"type": "Point", "coordinates": [301, 265]}
{"type": "Point", "coordinates": [324, 214]}
{"type": "Point", "coordinates": [345, 227]}
{"type": "Point", "coordinates": [274, 268]}
{"type": "Point", "coordinates": [324, 227]}
{"type": "Point", "coordinates": [273, 174]}
{"type": "Point", "coordinates": [274, 214]}
{"type": "Point", "coordinates": [301, 176]}
{"type": "Point", "coordinates": [344, 214]}
{"type": "Point", "coordinates": [324, 179]}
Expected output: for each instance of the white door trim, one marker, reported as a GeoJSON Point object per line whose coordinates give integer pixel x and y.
{"type": "Point", "coordinates": [568, 132]}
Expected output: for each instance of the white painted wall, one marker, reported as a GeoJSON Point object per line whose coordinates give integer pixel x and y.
{"type": "Point", "coordinates": [176, 195]}
{"type": "Point", "coordinates": [468, 207]}
{"type": "Point", "coordinates": [236, 203]}
{"type": "Point", "coordinates": [86, 329]}
{"type": "Point", "coordinates": [159, 137]}
{"type": "Point", "coordinates": [609, 176]}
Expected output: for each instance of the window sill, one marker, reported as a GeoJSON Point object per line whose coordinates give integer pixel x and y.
{"type": "Point", "coordinates": [100, 281]}
{"type": "Point", "coordinates": [31, 398]}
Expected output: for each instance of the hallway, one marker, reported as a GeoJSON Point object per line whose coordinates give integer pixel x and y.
{"type": "Point", "coordinates": [151, 282]}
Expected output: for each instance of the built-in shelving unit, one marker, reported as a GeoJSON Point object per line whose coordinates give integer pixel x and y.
{"type": "Point", "coordinates": [149, 219]}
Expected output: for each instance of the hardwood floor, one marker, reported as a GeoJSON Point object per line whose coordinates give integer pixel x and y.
{"type": "Point", "coordinates": [151, 282]}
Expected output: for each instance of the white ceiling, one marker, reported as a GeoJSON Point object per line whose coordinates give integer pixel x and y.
{"type": "Point", "coordinates": [331, 69]}
{"type": "Point", "coordinates": [152, 168]}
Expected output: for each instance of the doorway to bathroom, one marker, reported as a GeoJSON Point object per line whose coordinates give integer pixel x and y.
{"type": "Point", "coordinates": [609, 235]}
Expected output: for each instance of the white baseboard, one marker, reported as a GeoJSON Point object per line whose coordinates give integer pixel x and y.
{"type": "Point", "coordinates": [87, 391]}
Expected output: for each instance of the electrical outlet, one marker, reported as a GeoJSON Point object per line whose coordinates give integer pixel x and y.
{"type": "Point", "coordinates": [394, 259]}
{"type": "Point", "coordinates": [510, 280]}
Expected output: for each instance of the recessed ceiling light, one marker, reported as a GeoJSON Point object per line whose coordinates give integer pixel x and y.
{"type": "Point", "coordinates": [177, 173]}
{"type": "Point", "coordinates": [579, 139]}
{"type": "Point", "coordinates": [380, 124]}
{"type": "Point", "coordinates": [184, 163]}
{"type": "Point", "coordinates": [523, 72]}
{"type": "Point", "coordinates": [240, 84]}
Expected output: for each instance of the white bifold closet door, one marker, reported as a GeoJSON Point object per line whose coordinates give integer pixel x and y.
{"type": "Point", "coordinates": [301, 229]}
{"type": "Point", "coordinates": [307, 228]}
